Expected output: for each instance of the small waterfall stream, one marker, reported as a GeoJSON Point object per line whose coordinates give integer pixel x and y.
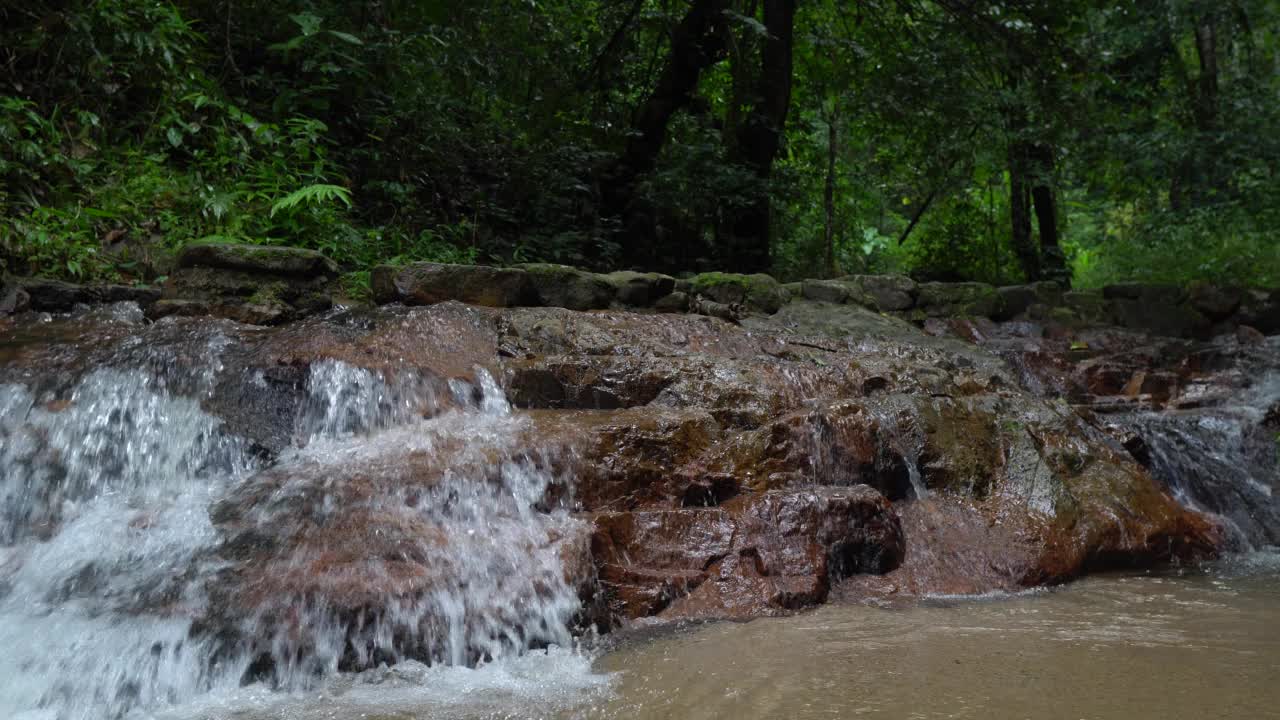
{"type": "Point", "coordinates": [1222, 460]}
{"type": "Point", "coordinates": [149, 556]}
{"type": "Point", "coordinates": [1223, 457]}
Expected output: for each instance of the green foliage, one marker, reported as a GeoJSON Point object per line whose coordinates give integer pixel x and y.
{"type": "Point", "coordinates": [1226, 244]}
{"type": "Point", "coordinates": [486, 132]}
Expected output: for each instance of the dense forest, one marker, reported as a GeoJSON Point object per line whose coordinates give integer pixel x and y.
{"type": "Point", "coordinates": [998, 140]}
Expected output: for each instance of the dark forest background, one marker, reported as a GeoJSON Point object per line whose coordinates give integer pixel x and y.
{"type": "Point", "coordinates": [947, 139]}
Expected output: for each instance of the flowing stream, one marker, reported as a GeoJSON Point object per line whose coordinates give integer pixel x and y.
{"type": "Point", "coordinates": [154, 562]}
{"type": "Point", "coordinates": [149, 557]}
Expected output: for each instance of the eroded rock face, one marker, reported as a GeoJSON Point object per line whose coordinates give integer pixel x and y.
{"type": "Point", "coordinates": [252, 284]}
{"type": "Point", "coordinates": [654, 465]}
{"type": "Point", "coordinates": [754, 555]}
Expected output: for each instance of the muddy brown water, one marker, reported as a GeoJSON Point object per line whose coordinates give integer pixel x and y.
{"type": "Point", "coordinates": [1161, 646]}
{"type": "Point", "coordinates": [1122, 648]}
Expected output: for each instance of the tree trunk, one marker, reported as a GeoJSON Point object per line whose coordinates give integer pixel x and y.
{"type": "Point", "coordinates": [1200, 174]}
{"type": "Point", "coordinates": [829, 202]}
{"type": "Point", "coordinates": [1020, 212]}
{"type": "Point", "coordinates": [1052, 262]}
{"type": "Point", "coordinates": [760, 136]}
{"type": "Point", "coordinates": [697, 43]}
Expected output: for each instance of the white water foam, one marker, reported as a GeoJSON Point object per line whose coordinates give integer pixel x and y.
{"type": "Point", "coordinates": [107, 549]}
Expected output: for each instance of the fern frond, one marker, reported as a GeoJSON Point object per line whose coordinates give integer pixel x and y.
{"type": "Point", "coordinates": [317, 194]}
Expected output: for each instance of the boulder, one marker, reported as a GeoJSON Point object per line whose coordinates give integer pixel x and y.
{"type": "Point", "coordinates": [883, 293]}
{"type": "Point", "coordinates": [1216, 302]}
{"type": "Point", "coordinates": [754, 555]}
{"type": "Point", "coordinates": [1159, 309]}
{"type": "Point", "coordinates": [252, 297]}
{"type": "Point", "coordinates": [58, 296]}
{"type": "Point", "coordinates": [637, 289]}
{"type": "Point", "coordinates": [832, 291]}
{"type": "Point", "coordinates": [676, 302]}
{"type": "Point", "coordinates": [13, 299]}
{"type": "Point", "coordinates": [971, 299]}
{"type": "Point", "coordinates": [427, 283]}
{"type": "Point", "coordinates": [568, 287]}
{"type": "Point", "coordinates": [253, 284]}
{"type": "Point", "coordinates": [1016, 300]}
{"type": "Point", "coordinates": [1260, 309]}
{"type": "Point", "coordinates": [758, 293]}
{"type": "Point", "coordinates": [1089, 306]}
{"type": "Point", "coordinates": [264, 259]}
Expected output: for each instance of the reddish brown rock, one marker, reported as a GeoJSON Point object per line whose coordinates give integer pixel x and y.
{"type": "Point", "coordinates": [753, 555]}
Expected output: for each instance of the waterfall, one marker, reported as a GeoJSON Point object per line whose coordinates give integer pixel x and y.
{"type": "Point", "coordinates": [1221, 455]}
{"type": "Point", "coordinates": [1223, 460]}
{"type": "Point", "coordinates": [148, 557]}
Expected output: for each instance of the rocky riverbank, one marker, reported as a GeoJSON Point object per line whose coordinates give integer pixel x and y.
{"type": "Point", "coordinates": [729, 447]}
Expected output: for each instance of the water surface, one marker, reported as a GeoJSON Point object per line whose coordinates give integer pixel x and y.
{"type": "Point", "coordinates": [1164, 646]}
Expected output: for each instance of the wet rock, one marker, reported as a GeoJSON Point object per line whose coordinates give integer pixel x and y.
{"type": "Point", "coordinates": [832, 291]}
{"type": "Point", "coordinates": [758, 293]}
{"type": "Point", "coordinates": [427, 283]}
{"type": "Point", "coordinates": [635, 289]}
{"type": "Point", "coordinates": [263, 259]}
{"type": "Point", "coordinates": [1215, 302]}
{"type": "Point", "coordinates": [751, 556]}
{"type": "Point", "coordinates": [1246, 335]}
{"type": "Point", "coordinates": [882, 293]}
{"type": "Point", "coordinates": [676, 302]}
{"type": "Point", "coordinates": [567, 287]}
{"type": "Point", "coordinates": [13, 299]}
{"type": "Point", "coordinates": [251, 297]}
{"type": "Point", "coordinates": [1017, 300]}
{"type": "Point", "coordinates": [1158, 309]}
{"type": "Point", "coordinates": [885, 293]}
{"type": "Point", "coordinates": [1088, 306]}
{"type": "Point", "coordinates": [373, 550]}
{"type": "Point", "coordinates": [639, 457]}
{"type": "Point", "coordinates": [58, 296]}
{"type": "Point", "coordinates": [1260, 309]}
{"type": "Point", "coordinates": [969, 299]}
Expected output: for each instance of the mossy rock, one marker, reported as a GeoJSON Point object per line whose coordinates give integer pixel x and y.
{"type": "Point", "coordinates": [568, 287]}
{"type": "Point", "coordinates": [883, 293]}
{"type": "Point", "coordinates": [265, 259]}
{"type": "Point", "coordinates": [1216, 302]}
{"type": "Point", "coordinates": [1170, 320]}
{"type": "Point", "coordinates": [962, 299]}
{"type": "Point", "coordinates": [637, 289]}
{"type": "Point", "coordinates": [1260, 309]}
{"type": "Point", "coordinates": [759, 292]}
{"type": "Point", "coordinates": [1088, 306]}
{"type": "Point", "coordinates": [427, 283]}
{"type": "Point", "coordinates": [244, 296]}
{"type": "Point", "coordinates": [1018, 299]}
{"type": "Point", "coordinates": [832, 291]}
{"type": "Point", "coordinates": [58, 296]}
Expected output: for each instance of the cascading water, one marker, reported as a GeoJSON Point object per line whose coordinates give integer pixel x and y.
{"type": "Point", "coordinates": [1223, 457]}
{"type": "Point", "coordinates": [1222, 460]}
{"type": "Point", "coordinates": [148, 557]}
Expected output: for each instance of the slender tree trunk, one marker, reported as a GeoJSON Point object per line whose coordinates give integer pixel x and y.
{"type": "Point", "coordinates": [1020, 211]}
{"type": "Point", "coordinates": [1200, 174]}
{"type": "Point", "coordinates": [829, 201]}
{"type": "Point", "coordinates": [760, 136]}
{"type": "Point", "coordinates": [1052, 261]}
{"type": "Point", "coordinates": [697, 43]}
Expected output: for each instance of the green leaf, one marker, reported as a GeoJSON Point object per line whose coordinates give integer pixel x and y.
{"type": "Point", "coordinates": [346, 37]}
{"type": "Point", "coordinates": [317, 194]}
{"type": "Point", "coordinates": [175, 136]}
